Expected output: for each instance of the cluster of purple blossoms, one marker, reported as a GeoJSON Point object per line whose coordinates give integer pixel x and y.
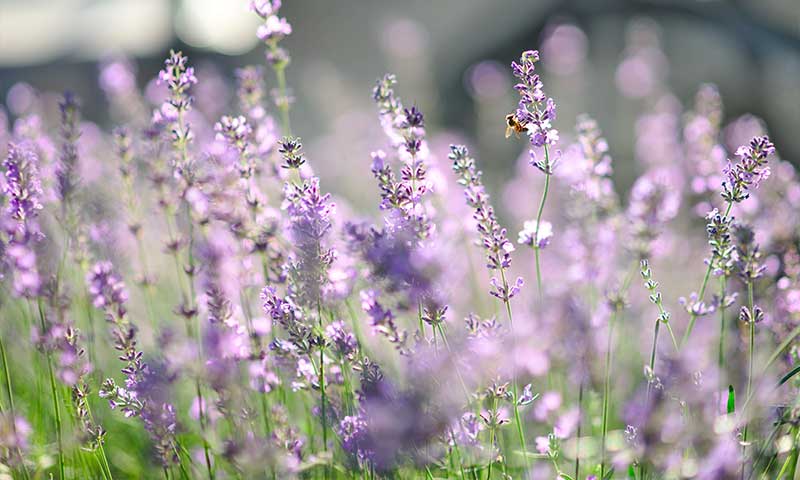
{"type": "Point", "coordinates": [594, 183]}
{"type": "Point", "coordinates": [23, 190]}
{"type": "Point", "coordinates": [536, 111]}
{"type": "Point", "coordinates": [382, 320]}
{"type": "Point", "coordinates": [291, 151]}
{"type": "Point", "coordinates": [15, 432]}
{"type": "Point", "coordinates": [235, 131]}
{"type": "Point", "coordinates": [179, 78]}
{"type": "Point", "coordinates": [284, 312]}
{"type": "Point", "coordinates": [309, 212]}
{"type": "Point", "coordinates": [143, 394]}
{"type": "Point", "coordinates": [355, 440]}
{"type": "Point", "coordinates": [404, 198]}
{"type": "Point", "coordinates": [535, 235]}
{"type": "Point", "coordinates": [719, 228]}
{"type": "Point", "coordinates": [250, 92]}
{"type": "Point", "coordinates": [747, 173]}
{"type": "Point", "coordinates": [107, 290]}
{"type": "Point", "coordinates": [23, 186]}
{"type": "Point", "coordinates": [66, 173]}
{"type": "Point", "coordinates": [343, 341]}
{"type": "Point", "coordinates": [704, 155]}
{"type": "Point", "coordinates": [493, 236]}
{"type": "Point", "coordinates": [275, 28]}
{"type": "Point", "coordinates": [655, 200]}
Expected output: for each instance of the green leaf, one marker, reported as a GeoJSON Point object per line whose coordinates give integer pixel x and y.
{"type": "Point", "coordinates": [789, 375]}
{"type": "Point", "coordinates": [731, 400]}
{"type": "Point", "coordinates": [609, 474]}
{"type": "Point", "coordinates": [631, 472]}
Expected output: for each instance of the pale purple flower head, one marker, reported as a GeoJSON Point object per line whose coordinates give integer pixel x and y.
{"type": "Point", "coordinates": [274, 29]}
{"type": "Point", "coordinates": [535, 235]}
{"type": "Point", "coordinates": [176, 75]}
{"type": "Point", "coordinates": [343, 341]}
{"type": "Point", "coordinates": [749, 171]}
{"type": "Point", "coordinates": [22, 186]}
{"type": "Point", "coordinates": [107, 289]}
{"type": "Point", "coordinates": [535, 109]}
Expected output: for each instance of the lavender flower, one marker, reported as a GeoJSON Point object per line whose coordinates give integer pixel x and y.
{"type": "Point", "coordinates": [66, 174]}
{"type": "Point", "coordinates": [275, 28]}
{"type": "Point", "coordinates": [144, 392]}
{"type": "Point", "coordinates": [107, 290]}
{"type": "Point", "coordinates": [291, 150]}
{"type": "Point", "coordinates": [535, 109]}
{"type": "Point", "coordinates": [23, 191]}
{"type": "Point", "coordinates": [309, 214]}
{"type": "Point", "coordinates": [250, 92]}
{"type": "Point", "coordinates": [498, 248]}
{"type": "Point", "coordinates": [22, 186]}
{"type": "Point", "coordinates": [14, 438]}
{"type": "Point", "coordinates": [404, 198]}
{"type": "Point", "coordinates": [353, 432]}
{"type": "Point", "coordinates": [534, 235]}
{"type": "Point", "coordinates": [344, 342]}
{"type": "Point", "coordinates": [382, 320]}
{"type": "Point", "coordinates": [719, 238]}
{"type": "Point", "coordinates": [178, 78]}
{"type": "Point", "coordinates": [654, 200]}
{"type": "Point", "coordinates": [747, 173]}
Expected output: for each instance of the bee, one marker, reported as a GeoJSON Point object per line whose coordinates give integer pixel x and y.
{"type": "Point", "coordinates": [514, 125]}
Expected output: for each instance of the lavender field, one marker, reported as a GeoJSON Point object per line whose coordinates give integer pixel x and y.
{"type": "Point", "coordinates": [186, 295]}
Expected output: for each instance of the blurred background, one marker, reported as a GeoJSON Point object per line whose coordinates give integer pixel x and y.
{"type": "Point", "coordinates": [614, 59]}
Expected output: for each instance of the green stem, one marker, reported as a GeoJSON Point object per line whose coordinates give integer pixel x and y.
{"type": "Point", "coordinates": [539, 223]}
{"type": "Point", "coordinates": [515, 388]}
{"type": "Point", "coordinates": [12, 409]}
{"type": "Point", "coordinates": [721, 348]}
{"type": "Point", "coordinates": [653, 357]}
{"type": "Point", "coordinates": [578, 435]}
{"type": "Point", "coordinates": [54, 393]}
{"type": "Point", "coordinates": [283, 103]}
{"type": "Point", "coordinates": [750, 355]}
{"type": "Point", "coordinates": [794, 455]}
{"type": "Point", "coordinates": [607, 389]}
{"type": "Point", "coordinates": [491, 438]}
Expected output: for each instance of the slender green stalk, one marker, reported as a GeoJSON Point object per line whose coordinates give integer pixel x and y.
{"type": "Point", "coordinates": [283, 103]}
{"type": "Point", "coordinates": [12, 409]}
{"type": "Point", "coordinates": [701, 294]}
{"type": "Point", "coordinates": [57, 410]}
{"type": "Point", "coordinates": [539, 223]}
{"type": "Point", "coordinates": [578, 435]}
{"type": "Point", "coordinates": [794, 455]}
{"type": "Point", "coordinates": [607, 389]}
{"type": "Point", "coordinates": [653, 358]}
{"type": "Point", "coordinates": [721, 349]}
{"type": "Point", "coordinates": [492, 429]}
{"type": "Point", "coordinates": [517, 417]}
{"type": "Point", "coordinates": [750, 355]}
{"type": "Point", "coordinates": [322, 382]}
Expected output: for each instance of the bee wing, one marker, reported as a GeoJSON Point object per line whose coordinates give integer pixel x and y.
{"type": "Point", "coordinates": [509, 129]}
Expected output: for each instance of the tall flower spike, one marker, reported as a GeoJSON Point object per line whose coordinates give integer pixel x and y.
{"type": "Point", "coordinates": [23, 191]}
{"type": "Point", "coordinates": [405, 128]}
{"type": "Point", "coordinates": [749, 171]}
{"type": "Point", "coordinates": [66, 174]}
{"type": "Point", "coordinates": [22, 186]}
{"type": "Point", "coordinates": [493, 237]}
{"type": "Point", "coordinates": [535, 110]}
{"type": "Point", "coordinates": [179, 78]}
